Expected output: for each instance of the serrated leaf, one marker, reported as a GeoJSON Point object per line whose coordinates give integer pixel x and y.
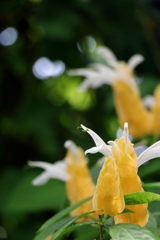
{"type": "Point", "coordinates": [64, 229]}
{"type": "Point", "coordinates": [140, 198]}
{"type": "Point", "coordinates": [131, 232]}
{"type": "Point", "coordinates": [63, 213]}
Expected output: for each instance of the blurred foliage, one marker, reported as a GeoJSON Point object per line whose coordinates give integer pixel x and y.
{"type": "Point", "coordinates": [37, 116]}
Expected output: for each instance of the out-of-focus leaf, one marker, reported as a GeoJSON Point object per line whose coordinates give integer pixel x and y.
{"type": "Point", "coordinates": [24, 197]}
{"type": "Point", "coordinates": [152, 222]}
{"type": "Point", "coordinates": [86, 232]}
{"type": "Point", "coordinates": [65, 228]}
{"type": "Point", "coordinates": [63, 213]}
{"type": "Point", "coordinates": [51, 229]}
{"type": "Point", "coordinates": [131, 232]}
{"type": "Point", "coordinates": [155, 185]}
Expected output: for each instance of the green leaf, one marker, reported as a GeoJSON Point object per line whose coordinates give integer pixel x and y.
{"type": "Point", "coordinates": [64, 229]}
{"type": "Point", "coordinates": [152, 222]}
{"type": "Point", "coordinates": [63, 213]}
{"type": "Point", "coordinates": [51, 229]}
{"type": "Point", "coordinates": [155, 185]}
{"type": "Point", "coordinates": [131, 232]}
{"type": "Point", "coordinates": [140, 198]}
{"type": "Point", "coordinates": [25, 197]}
{"type": "Point", "coordinates": [127, 211]}
{"type": "Point", "coordinates": [90, 231]}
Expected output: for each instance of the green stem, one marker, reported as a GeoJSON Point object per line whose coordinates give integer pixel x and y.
{"type": "Point", "coordinates": [101, 227]}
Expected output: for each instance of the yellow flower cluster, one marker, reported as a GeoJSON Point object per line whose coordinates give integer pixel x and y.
{"type": "Point", "coordinates": [73, 170]}
{"type": "Point", "coordinates": [128, 102]}
{"type": "Point", "coordinates": [118, 177]}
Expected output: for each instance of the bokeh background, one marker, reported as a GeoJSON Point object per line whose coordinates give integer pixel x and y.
{"type": "Point", "coordinates": [41, 106]}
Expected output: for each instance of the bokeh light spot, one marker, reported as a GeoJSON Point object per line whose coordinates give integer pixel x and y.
{"type": "Point", "coordinates": [8, 36]}
{"type": "Point", "coordinates": [87, 44]}
{"type": "Point", "coordinates": [44, 68]}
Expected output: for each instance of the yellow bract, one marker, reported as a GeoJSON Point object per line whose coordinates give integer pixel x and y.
{"type": "Point", "coordinates": [130, 109]}
{"type": "Point", "coordinates": [80, 184]}
{"type": "Point", "coordinates": [156, 112]}
{"type": "Point", "coordinates": [117, 178]}
{"type": "Point", "coordinates": [130, 182]}
{"type": "Point", "coordinates": [108, 197]}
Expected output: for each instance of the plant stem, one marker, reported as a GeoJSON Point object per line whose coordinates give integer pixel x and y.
{"type": "Point", "coordinates": [101, 227]}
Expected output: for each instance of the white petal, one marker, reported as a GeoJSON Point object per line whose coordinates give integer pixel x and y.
{"type": "Point", "coordinates": [94, 150]}
{"type": "Point", "coordinates": [107, 55]}
{"type": "Point", "coordinates": [91, 83]}
{"type": "Point", "coordinates": [152, 152]}
{"type": "Point", "coordinates": [71, 146]}
{"type": "Point", "coordinates": [44, 165]}
{"type": "Point", "coordinates": [135, 60]}
{"type": "Point", "coordinates": [82, 72]}
{"type": "Point", "coordinates": [102, 147]}
{"type": "Point", "coordinates": [114, 145]}
{"type": "Point", "coordinates": [56, 170]}
{"type": "Point", "coordinates": [101, 68]}
{"type": "Point", "coordinates": [148, 101]}
{"type": "Point", "coordinates": [41, 179]}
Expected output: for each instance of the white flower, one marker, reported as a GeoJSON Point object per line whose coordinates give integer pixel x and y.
{"type": "Point", "coordinates": [146, 154]}
{"type": "Point", "coordinates": [149, 101]}
{"type": "Point", "coordinates": [57, 170]}
{"type": "Point", "coordinates": [108, 72]}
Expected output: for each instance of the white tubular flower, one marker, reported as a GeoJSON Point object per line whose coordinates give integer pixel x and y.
{"type": "Point", "coordinates": [150, 153]}
{"type": "Point", "coordinates": [56, 170]}
{"type": "Point", "coordinates": [100, 144]}
{"type": "Point", "coordinates": [74, 172]}
{"type": "Point", "coordinates": [143, 153]}
{"type": "Point", "coordinates": [108, 72]}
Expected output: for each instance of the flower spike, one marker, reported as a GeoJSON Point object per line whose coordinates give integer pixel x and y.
{"type": "Point", "coordinates": [118, 177]}
{"type": "Point", "coordinates": [74, 172]}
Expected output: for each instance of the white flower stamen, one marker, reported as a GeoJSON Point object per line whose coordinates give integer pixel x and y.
{"type": "Point", "coordinates": [126, 134]}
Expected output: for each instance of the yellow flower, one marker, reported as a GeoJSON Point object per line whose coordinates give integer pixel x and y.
{"type": "Point", "coordinates": [125, 97]}
{"type": "Point", "coordinates": [155, 111]}
{"type": "Point", "coordinates": [74, 171]}
{"type": "Point", "coordinates": [118, 177]}
{"type": "Point", "coordinates": [121, 77]}
{"type": "Point", "coordinates": [108, 196]}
